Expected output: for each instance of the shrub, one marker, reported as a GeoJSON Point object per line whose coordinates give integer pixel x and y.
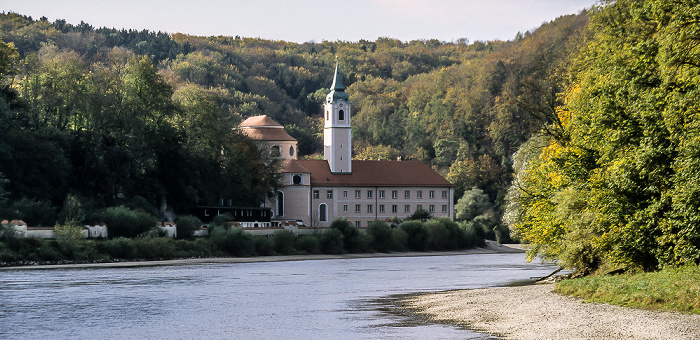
{"type": "Point", "coordinates": [416, 235]}
{"type": "Point", "coordinates": [264, 245]}
{"type": "Point", "coordinates": [124, 222]}
{"type": "Point", "coordinates": [381, 236]}
{"type": "Point", "coordinates": [438, 236]}
{"type": "Point", "coordinates": [187, 225]}
{"type": "Point", "coordinates": [233, 242]}
{"type": "Point", "coordinates": [121, 248]}
{"type": "Point", "coordinates": [400, 239]}
{"type": "Point", "coordinates": [285, 242]}
{"type": "Point", "coordinates": [309, 244]}
{"type": "Point", "coordinates": [331, 242]}
{"type": "Point", "coordinates": [221, 221]}
{"type": "Point", "coordinates": [351, 236]}
{"type": "Point", "coordinates": [155, 247]}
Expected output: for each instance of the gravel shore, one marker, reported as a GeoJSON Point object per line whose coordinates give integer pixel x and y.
{"type": "Point", "coordinates": [535, 312]}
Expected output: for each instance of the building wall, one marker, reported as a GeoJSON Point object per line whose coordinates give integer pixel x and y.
{"type": "Point", "coordinates": [363, 205]}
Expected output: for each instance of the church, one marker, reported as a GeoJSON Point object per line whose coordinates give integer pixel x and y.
{"type": "Point", "coordinates": [313, 193]}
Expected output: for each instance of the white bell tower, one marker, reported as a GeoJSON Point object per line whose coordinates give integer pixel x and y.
{"type": "Point", "coordinates": [337, 143]}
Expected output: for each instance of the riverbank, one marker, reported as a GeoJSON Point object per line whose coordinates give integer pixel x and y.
{"type": "Point", "coordinates": [535, 312]}
{"type": "Point", "coordinates": [491, 247]}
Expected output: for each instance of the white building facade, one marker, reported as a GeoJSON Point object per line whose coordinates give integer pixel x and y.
{"type": "Point", "coordinates": [316, 192]}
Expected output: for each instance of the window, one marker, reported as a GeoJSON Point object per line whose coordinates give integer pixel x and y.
{"type": "Point", "coordinates": [291, 151]}
{"type": "Point", "coordinates": [275, 151]}
{"type": "Point", "coordinates": [369, 208]}
{"type": "Point", "coordinates": [407, 194]}
{"type": "Point", "coordinates": [316, 194]}
{"type": "Point", "coordinates": [341, 115]}
{"type": "Point", "coordinates": [381, 208]}
{"type": "Point", "coordinates": [358, 224]}
{"type": "Point", "coordinates": [432, 194]}
{"type": "Point", "coordinates": [345, 208]}
{"type": "Point", "coordinates": [329, 194]}
{"type": "Point", "coordinates": [327, 116]}
{"type": "Point", "coordinates": [419, 194]}
{"type": "Point", "coordinates": [345, 194]}
{"type": "Point", "coordinates": [444, 194]}
{"type": "Point", "coordinates": [407, 208]}
{"type": "Point", "coordinates": [280, 203]}
{"type": "Point", "coordinates": [394, 194]}
{"type": "Point", "coordinates": [369, 193]}
{"type": "Point", "coordinates": [296, 179]}
{"type": "Point", "coordinates": [358, 208]}
{"type": "Point", "coordinates": [369, 223]}
{"type": "Point", "coordinates": [358, 193]}
{"type": "Point", "coordinates": [381, 193]}
{"type": "Point", "coordinates": [322, 213]}
{"type": "Point", "coordinates": [431, 208]}
{"type": "Point", "coordinates": [444, 208]}
{"type": "Point", "coordinates": [419, 207]}
{"type": "Point", "coordinates": [394, 208]}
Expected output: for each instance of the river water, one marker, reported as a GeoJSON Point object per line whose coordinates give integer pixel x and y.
{"type": "Point", "coordinates": [312, 299]}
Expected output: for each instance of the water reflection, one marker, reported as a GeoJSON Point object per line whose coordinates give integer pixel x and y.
{"type": "Point", "coordinates": [323, 299]}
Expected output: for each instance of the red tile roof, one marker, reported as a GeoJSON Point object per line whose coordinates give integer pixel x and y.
{"type": "Point", "coordinates": [260, 121]}
{"type": "Point", "coordinates": [264, 128]}
{"type": "Point", "coordinates": [291, 165]}
{"type": "Point", "coordinates": [376, 174]}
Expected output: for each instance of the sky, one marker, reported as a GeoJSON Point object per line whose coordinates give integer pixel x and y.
{"type": "Point", "coordinates": [311, 20]}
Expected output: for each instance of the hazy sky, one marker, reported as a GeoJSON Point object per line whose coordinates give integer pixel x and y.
{"type": "Point", "coordinates": [307, 20]}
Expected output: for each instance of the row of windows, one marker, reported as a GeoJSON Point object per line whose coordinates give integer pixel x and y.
{"type": "Point", "coordinates": [394, 194]}
{"type": "Point", "coordinates": [323, 210]}
{"type": "Point", "coordinates": [394, 208]}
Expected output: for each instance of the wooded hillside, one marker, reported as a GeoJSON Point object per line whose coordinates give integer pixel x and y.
{"type": "Point", "coordinates": [114, 117]}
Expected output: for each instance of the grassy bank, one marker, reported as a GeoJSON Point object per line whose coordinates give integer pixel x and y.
{"type": "Point", "coordinates": [669, 289]}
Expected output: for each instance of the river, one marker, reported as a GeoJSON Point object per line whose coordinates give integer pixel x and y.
{"type": "Point", "coordinates": [311, 299]}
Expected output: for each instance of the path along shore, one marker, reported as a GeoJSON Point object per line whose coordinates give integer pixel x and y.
{"type": "Point", "coordinates": [491, 247]}
{"type": "Point", "coordinates": [535, 312]}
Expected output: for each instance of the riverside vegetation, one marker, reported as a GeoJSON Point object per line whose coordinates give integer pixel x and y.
{"type": "Point", "coordinates": [341, 237]}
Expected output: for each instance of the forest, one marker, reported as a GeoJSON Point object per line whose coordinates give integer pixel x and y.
{"type": "Point", "coordinates": [98, 117]}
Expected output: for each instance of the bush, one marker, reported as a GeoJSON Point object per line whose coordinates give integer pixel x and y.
{"type": "Point", "coordinates": [351, 236]}
{"type": "Point", "coordinates": [416, 235]}
{"type": "Point", "coordinates": [400, 239]}
{"type": "Point", "coordinates": [381, 236]}
{"type": "Point", "coordinates": [233, 242]}
{"type": "Point", "coordinates": [309, 244]}
{"type": "Point", "coordinates": [121, 248]}
{"type": "Point", "coordinates": [438, 236]}
{"type": "Point", "coordinates": [124, 222]}
{"type": "Point", "coordinates": [264, 245]}
{"type": "Point", "coordinates": [187, 225]}
{"type": "Point", "coordinates": [221, 221]}
{"type": "Point", "coordinates": [285, 242]}
{"type": "Point", "coordinates": [331, 242]}
{"type": "Point", "coordinates": [155, 247]}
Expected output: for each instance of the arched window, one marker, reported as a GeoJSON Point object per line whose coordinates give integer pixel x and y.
{"type": "Point", "coordinates": [322, 212]}
{"type": "Point", "coordinates": [280, 203]}
{"type": "Point", "coordinates": [341, 115]}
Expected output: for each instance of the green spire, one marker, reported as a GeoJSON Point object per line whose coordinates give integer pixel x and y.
{"type": "Point", "coordinates": [337, 88]}
{"type": "Point", "coordinates": [337, 80]}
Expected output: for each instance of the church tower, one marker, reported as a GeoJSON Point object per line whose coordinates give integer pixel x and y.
{"type": "Point", "coordinates": [337, 145]}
